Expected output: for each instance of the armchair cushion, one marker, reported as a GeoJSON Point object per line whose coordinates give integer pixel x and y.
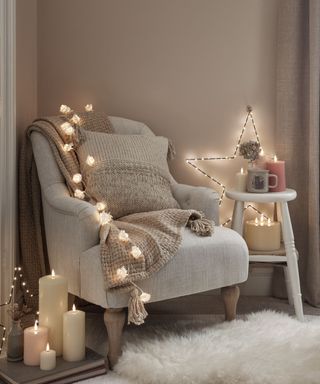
{"type": "Point", "coordinates": [130, 174]}
{"type": "Point", "coordinates": [201, 264]}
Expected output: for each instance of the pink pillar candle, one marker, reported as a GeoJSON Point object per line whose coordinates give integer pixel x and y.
{"type": "Point", "coordinates": [35, 341]}
{"type": "Point", "coordinates": [277, 167]}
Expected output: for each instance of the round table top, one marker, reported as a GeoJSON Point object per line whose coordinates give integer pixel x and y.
{"type": "Point", "coordinates": [269, 197]}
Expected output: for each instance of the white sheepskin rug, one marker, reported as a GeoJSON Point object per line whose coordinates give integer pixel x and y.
{"type": "Point", "coordinates": [265, 347]}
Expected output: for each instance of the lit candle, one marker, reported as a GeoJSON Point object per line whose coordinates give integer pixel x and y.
{"type": "Point", "coordinates": [261, 161]}
{"type": "Point", "coordinates": [53, 303]}
{"type": "Point", "coordinates": [277, 167]}
{"type": "Point", "coordinates": [260, 236]}
{"type": "Point", "coordinates": [241, 181]}
{"type": "Point", "coordinates": [47, 359]}
{"type": "Point", "coordinates": [74, 347]}
{"type": "Point", "coordinates": [35, 340]}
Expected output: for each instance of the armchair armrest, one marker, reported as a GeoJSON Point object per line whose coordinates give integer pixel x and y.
{"type": "Point", "coordinates": [200, 198]}
{"type": "Point", "coordinates": [84, 216]}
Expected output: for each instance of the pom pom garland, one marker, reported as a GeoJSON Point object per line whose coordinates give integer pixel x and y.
{"type": "Point", "coordinates": [90, 161]}
{"type": "Point", "coordinates": [105, 218]}
{"type": "Point", "coordinates": [139, 297]}
{"type": "Point", "coordinates": [68, 147]}
{"type": "Point", "coordinates": [77, 178]}
{"type": "Point", "coordinates": [65, 109]}
{"type": "Point", "coordinates": [135, 252]}
{"type": "Point", "coordinates": [79, 194]}
{"type": "Point", "coordinates": [100, 206]}
{"type": "Point", "coordinates": [123, 236]}
{"type": "Point", "coordinates": [122, 273]}
{"type": "Point", "coordinates": [75, 119]}
{"type": "Point", "coordinates": [88, 108]}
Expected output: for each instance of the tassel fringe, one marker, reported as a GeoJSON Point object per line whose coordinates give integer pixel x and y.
{"type": "Point", "coordinates": [136, 310]}
{"type": "Point", "coordinates": [201, 226]}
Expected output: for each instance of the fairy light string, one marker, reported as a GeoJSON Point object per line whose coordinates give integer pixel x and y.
{"type": "Point", "coordinates": [17, 281]}
{"type": "Point", "coordinates": [192, 161]}
{"type": "Point", "coordinates": [69, 128]}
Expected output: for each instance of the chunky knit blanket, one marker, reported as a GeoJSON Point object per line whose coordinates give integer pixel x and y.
{"type": "Point", "coordinates": [132, 247]}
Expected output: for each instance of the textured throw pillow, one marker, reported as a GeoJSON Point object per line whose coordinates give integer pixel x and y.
{"type": "Point", "coordinates": [129, 174]}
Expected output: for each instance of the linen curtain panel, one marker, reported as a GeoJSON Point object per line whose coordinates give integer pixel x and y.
{"type": "Point", "coordinates": [297, 128]}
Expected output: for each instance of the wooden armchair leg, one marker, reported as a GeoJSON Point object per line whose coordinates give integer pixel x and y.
{"type": "Point", "coordinates": [114, 320]}
{"type": "Point", "coordinates": [230, 296]}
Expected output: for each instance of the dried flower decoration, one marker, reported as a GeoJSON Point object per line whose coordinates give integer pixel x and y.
{"type": "Point", "coordinates": [250, 150]}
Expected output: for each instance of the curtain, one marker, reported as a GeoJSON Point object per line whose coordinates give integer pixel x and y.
{"type": "Point", "coordinates": [297, 129]}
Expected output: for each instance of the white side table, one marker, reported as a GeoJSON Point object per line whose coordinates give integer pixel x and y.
{"type": "Point", "coordinates": [290, 254]}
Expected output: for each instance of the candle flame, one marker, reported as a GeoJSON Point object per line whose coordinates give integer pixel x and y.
{"type": "Point", "coordinates": [35, 325]}
{"type": "Point", "coordinates": [73, 307]}
{"type": "Point", "coordinates": [261, 152]}
{"type": "Point", "coordinates": [275, 159]}
{"type": "Point", "coordinates": [269, 222]}
{"type": "Point", "coordinates": [261, 219]}
{"type": "Point", "coordinates": [256, 221]}
{"type": "Point", "coordinates": [48, 347]}
{"type": "Point", "coordinates": [241, 171]}
{"type": "Point", "coordinates": [53, 273]}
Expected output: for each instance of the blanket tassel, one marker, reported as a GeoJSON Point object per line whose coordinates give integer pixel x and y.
{"type": "Point", "coordinates": [136, 309]}
{"type": "Point", "coordinates": [201, 226]}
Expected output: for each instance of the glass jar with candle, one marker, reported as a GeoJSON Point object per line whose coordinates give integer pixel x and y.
{"type": "Point", "coordinates": [262, 235]}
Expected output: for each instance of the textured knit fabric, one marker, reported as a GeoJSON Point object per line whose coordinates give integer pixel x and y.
{"type": "Point", "coordinates": [31, 229]}
{"type": "Point", "coordinates": [131, 173]}
{"type": "Point", "coordinates": [156, 233]}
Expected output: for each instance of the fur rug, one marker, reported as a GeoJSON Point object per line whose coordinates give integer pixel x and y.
{"type": "Point", "coordinates": [265, 347]}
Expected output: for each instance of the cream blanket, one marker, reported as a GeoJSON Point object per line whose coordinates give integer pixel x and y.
{"type": "Point", "coordinates": [155, 234]}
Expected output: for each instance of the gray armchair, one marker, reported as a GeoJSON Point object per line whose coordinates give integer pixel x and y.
{"type": "Point", "coordinates": [72, 234]}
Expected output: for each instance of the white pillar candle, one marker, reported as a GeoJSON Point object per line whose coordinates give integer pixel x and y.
{"type": "Point", "coordinates": [262, 235]}
{"type": "Point", "coordinates": [48, 359]}
{"type": "Point", "coordinates": [74, 347]}
{"type": "Point", "coordinates": [35, 340]}
{"type": "Point", "coordinates": [241, 181]}
{"type": "Point", "coordinates": [53, 303]}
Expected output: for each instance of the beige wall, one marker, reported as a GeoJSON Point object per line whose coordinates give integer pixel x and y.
{"type": "Point", "coordinates": [26, 63]}
{"type": "Point", "coordinates": [188, 68]}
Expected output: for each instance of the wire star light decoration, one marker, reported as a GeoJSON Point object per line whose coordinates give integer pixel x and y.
{"type": "Point", "coordinates": [192, 162]}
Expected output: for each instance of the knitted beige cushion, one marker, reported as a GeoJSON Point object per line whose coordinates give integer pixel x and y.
{"type": "Point", "coordinates": [130, 173]}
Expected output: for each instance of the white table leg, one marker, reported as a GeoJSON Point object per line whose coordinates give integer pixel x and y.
{"type": "Point", "coordinates": [292, 262]}
{"type": "Point", "coordinates": [288, 285]}
{"type": "Point", "coordinates": [237, 217]}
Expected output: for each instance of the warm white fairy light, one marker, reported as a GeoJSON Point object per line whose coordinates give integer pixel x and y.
{"type": "Point", "coordinates": [123, 236]}
{"type": "Point", "coordinates": [77, 178]}
{"type": "Point", "coordinates": [261, 220]}
{"type": "Point", "coordinates": [100, 206]}
{"type": "Point", "coordinates": [105, 218]}
{"type": "Point", "coordinates": [68, 147]}
{"type": "Point", "coordinates": [79, 194]}
{"type": "Point", "coordinates": [88, 108]}
{"type": "Point", "coordinates": [249, 206]}
{"type": "Point", "coordinates": [269, 222]}
{"type": "Point", "coordinates": [75, 119]}
{"type": "Point", "coordinates": [69, 131]}
{"type": "Point", "coordinates": [192, 161]}
{"type": "Point", "coordinates": [65, 109]}
{"type": "Point", "coordinates": [65, 126]}
{"type": "Point", "coordinates": [135, 252]}
{"type": "Point", "coordinates": [256, 222]}
{"type": "Point", "coordinates": [122, 273]}
{"type": "Point", "coordinates": [90, 160]}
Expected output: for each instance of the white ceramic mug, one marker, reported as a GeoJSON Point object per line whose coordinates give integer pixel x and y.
{"type": "Point", "coordinates": [259, 180]}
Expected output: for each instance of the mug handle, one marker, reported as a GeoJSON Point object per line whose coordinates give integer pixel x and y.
{"type": "Point", "coordinates": [276, 181]}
